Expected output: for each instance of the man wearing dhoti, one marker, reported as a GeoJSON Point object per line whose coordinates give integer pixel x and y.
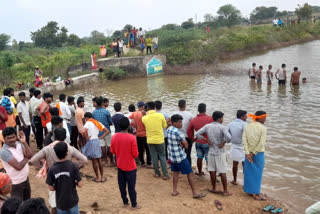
{"type": "Point", "coordinates": [253, 139]}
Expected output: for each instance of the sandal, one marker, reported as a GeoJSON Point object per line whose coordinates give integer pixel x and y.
{"type": "Point", "coordinates": [268, 208]}
{"type": "Point", "coordinates": [200, 195]}
{"type": "Point", "coordinates": [218, 204]}
{"type": "Point", "coordinates": [95, 180]}
{"type": "Point", "coordinates": [104, 179]}
{"type": "Point", "coordinates": [278, 210]}
{"type": "Point", "coordinates": [197, 173]}
{"type": "Point", "coordinates": [215, 191]}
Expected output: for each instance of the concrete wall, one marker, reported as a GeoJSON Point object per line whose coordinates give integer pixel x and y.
{"type": "Point", "coordinates": [135, 66]}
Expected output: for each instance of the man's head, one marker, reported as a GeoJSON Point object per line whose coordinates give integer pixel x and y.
{"type": "Point", "coordinates": [105, 102]}
{"type": "Point", "coordinates": [158, 104]}
{"type": "Point", "coordinates": [124, 123]}
{"type": "Point", "coordinates": [176, 120]}
{"type": "Point", "coordinates": [131, 108]}
{"type": "Point", "coordinates": [140, 105]}
{"type": "Point", "coordinates": [151, 105]}
{"type": "Point", "coordinates": [54, 111]}
{"type": "Point", "coordinates": [47, 97]}
{"type": "Point", "coordinates": [254, 64]}
{"type": "Point", "coordinates": [11, 92]}
{"type": "Point", "coordinates": [31, 91]}
{"type": "Point", "coordinates": [283, 65]}
{"type": "Point", "coordinates": [62, 97]}
{"type": "Point", "coordinates": [295, 69]}
{"type": "Point", "coordinates": [270, 67]}
{"type": "Point", "coordinates": [261, 67]}
{"type": "Point", "coordinates": [57, 121]}
{"type": "Point", "coordinates": [182, 104]}
{"type": "Point", "coordinates": [22, 96]}
{"type": "Point", "coordinates": [5, 184]}
{"type": "Point", "coordinates": [148, 36]}
{"type": "Point", "coordinates": [242, 115]}
{"type": "Point", "coordinates": [60, 134]}
{"type": "Point", "coordinates": [80, 102]}
{"type": "Point", "coordinates": [217, 116]}
{"type": "Point", "coordinates": [259, 113]}
{"type": "Point", "coordinates": [61, 150]}
{"type": "Point", "coordinates": [6, 92]}
{"type": "Point", "coordinates": [71, 100]}
{"type": "Point", "coordinates": [99, 101]}
{"type": "Point", "coordinates": [37, 94]}
{"type": "Point", "coordinates": [10, 136]}
{"type": "Point", "coordinates": [117, 107]}
{"type": "Point", "coordinates": [88, 115]}
{"type": "Point", "coordinates": [33, 206]}
{"type": "Point", "coordinates": [202, 108]}
{"type": "Point", "coordinates": [11, 206]}
{"type": "Point", "coordinates": [94, 103]}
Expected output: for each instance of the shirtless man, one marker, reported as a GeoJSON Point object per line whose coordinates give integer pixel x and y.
{"type": "Point", "coordinates": [282, 75]}
{"type": "Point", "coordinates": [269, 74]}
{"type": "Point", "coordinates": [295, 76]}
{"type": "Point", "coordinates": [252, 72]}
{"type": "Point", "coordinates": [259, 75]}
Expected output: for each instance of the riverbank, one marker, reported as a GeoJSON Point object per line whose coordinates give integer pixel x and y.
{"type": "Point", "coordinates": [153, 194]}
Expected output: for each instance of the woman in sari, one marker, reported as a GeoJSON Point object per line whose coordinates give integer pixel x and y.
{"type": "Point", "coordinates": [103, 51]}
{"type": "Point", "coordinates": [94, 61]}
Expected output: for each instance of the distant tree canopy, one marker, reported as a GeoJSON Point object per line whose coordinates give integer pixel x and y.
{"type": "Point", "coordinates": [117, 34]}
{"type": "Point", "coordinates": [188, 24]}
{"type": "Point", "coordinates": [169, 26]}
{"type": "Point", "coordinates": [229, 15]}
{"type": "Point", "coordinates": [52, 35]}
{"type": "Point", "coordinates": [261, 13]}
{"type": "Point", "coordinates": [305, 11]}
{"type": "Point", "coordinates": [4, 40]}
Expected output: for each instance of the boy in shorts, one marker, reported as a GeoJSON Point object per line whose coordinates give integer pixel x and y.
{"type": "Point", "coordinates": [178, 157]}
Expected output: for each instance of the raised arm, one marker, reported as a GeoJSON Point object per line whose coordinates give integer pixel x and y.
{"type": "Point", "coordinates": [27, 150]}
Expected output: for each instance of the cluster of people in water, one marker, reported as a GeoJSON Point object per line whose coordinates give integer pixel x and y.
{"type": "Point", "coordinates": [255, 73]}
{"type": "Point", "coordinates": [146, 136]}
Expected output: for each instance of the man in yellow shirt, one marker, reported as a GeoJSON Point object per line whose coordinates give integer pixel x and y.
{"type": "Point", "coordinates": [253, 139]}
{"type": "Point", "coordinates": [155, 123]}
{"type": "Point", "coordinates": [149, 44]}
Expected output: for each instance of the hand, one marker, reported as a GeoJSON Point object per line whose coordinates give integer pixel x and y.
{"type": "Point", "coordinates": [25, 126]}
{"type": "Point", "coordinates": [222, 145]}
{"type": "Point", "coordinates": [181, 144]}
{"type": "Point", "coordinates": [21, 137]}
{"type": "Point", "coordinates": [249, 157]}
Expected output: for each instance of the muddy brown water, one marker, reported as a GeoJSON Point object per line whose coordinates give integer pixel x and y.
{"type": "Point", "coordinates": [293, 142]}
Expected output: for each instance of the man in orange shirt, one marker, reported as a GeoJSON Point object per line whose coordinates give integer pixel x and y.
{"type": "Point", "coordinates": [136, 118]}
{"type": "Point", "coordinates": [44, 110]}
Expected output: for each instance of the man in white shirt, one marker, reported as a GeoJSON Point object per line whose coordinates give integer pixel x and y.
{"type": "Point", "coordinates": [64, 110]}
{"type": "Point", "coordinates": [55, 112]}
{"type": "Point", "coordinates": [275, 22]}
{"type": "Point", "coordinates": [187, 117]}
{"type": "Point", "coordinates": [35, 102]}
{"type": "Point", "coordinates": [24, 115]}
{"type": "Point", "coordinates": [155, 41]}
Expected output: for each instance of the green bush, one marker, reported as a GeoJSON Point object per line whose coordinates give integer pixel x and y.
{"type": "Point", "coordinates": [114, 73]}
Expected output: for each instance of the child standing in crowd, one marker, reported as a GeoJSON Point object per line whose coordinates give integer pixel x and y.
{"type": "Point", "coordinates": [24, 115]}
{"type": "Point", "coordinates": [92, 148]}
{"type": "Point", "coordinates": [124, 146]}
{"type": "Point", "coordinates": [63, 177]}
{"type": "Point", "coordinates": [178, 158]}
{"type": "Point", "coordinates": [142, 45]}
{"type": "Point", "coordinates": [117, 117]}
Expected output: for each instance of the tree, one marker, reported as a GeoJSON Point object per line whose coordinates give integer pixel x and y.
{"type": "Point", "coordinates": [208, 18]}
{"type": "Point", "coordinates": [304, 12]}
{"type": "Point", "coordinates": [4, 40]}
{"type": "Point", "coordinates": [74, 40]}
{"type": "Point", "coordinates": [127, 27]}
{"type": "Point", "coordinates": [117, 34]}
{"type": "Point", "coordinates": [50, 36]}
{"type": "Point", "coordinates": [230, 15]}
{"type": "Point", "coordinates": [188, 24]}
{"type": "Point", "coordinates": [262, 13]}
{"type": "Point", "coordinates": [169, 27]}
{"type": "Point", "coordinates": [97, 37]}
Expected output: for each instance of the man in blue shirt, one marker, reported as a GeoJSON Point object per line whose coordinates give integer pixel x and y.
{"type": "Point", "coordinates": [103, 116]}
{"type": "Point", "coordinates": [237, 154]}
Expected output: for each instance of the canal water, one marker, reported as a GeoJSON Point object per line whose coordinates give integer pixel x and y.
{"type": "Point", "coordinates": [293, 141]}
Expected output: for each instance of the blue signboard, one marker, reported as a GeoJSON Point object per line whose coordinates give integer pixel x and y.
{"type": "Point", "coordinates": [154, 66]}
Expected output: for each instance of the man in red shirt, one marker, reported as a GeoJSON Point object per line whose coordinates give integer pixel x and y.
{"type": "Point", "coordinates": [3, 117]}
{"type": "Point", "coordinates": [202, 146]}
{"type": "Point", "coordinates": [124, 146]}
{"type": "Point", "coordinates": [136, 118]}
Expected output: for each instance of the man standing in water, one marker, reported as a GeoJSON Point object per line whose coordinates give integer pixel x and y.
{"type": "Point", "coordinates": [252, 72]}
{"type": "Point", "coordinates": [237, 153]}
{"type": "Point", "coordinates": [253, 139]}
{"type": "Point", "coordinates": [295, 77]}
{"type": "Point", "coordinates": [282, 75]}
{"type": "Point", "coordinates": [259, 75]}
{"type": "Point", "coordinates": [269, 74]}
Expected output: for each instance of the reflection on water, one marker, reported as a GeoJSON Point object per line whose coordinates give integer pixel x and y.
{"type": "Point", "coordinates": [292, 150]}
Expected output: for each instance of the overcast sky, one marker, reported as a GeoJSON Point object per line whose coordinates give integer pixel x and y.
{"type": "Point", "coordinates": [19, 17]}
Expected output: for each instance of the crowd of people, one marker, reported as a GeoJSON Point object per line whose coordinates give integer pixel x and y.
{"type": "Point", "coordinates": [147, 136]}
{"type": "Point", "coordinates": [291, 21]}
{"type": "Point", "coordinates": [255, 73]}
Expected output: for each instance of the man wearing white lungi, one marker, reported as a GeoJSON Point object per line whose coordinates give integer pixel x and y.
{"type": "Point", "coordinates": [237, 154]}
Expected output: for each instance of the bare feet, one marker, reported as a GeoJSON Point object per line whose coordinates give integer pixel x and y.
{"type": "Point", "coordinates": [259, 198]}
{"type": "Point", "coordinates": [136, 207]}
{"type": "Point", "coordinates": [97, 180]}
{"type": "Point", "coordinates": [215, 191]}
{"type": "Point", "coordinates": [175, 193]}
{"type": "Point", "coordinates": [165, 177]}
{"type": "Point", "coordinates": [198, 196]}
{"type": "Point", "coordinates": [234, 182]}
{"type": "Point", "coordinates": [126, 205]}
